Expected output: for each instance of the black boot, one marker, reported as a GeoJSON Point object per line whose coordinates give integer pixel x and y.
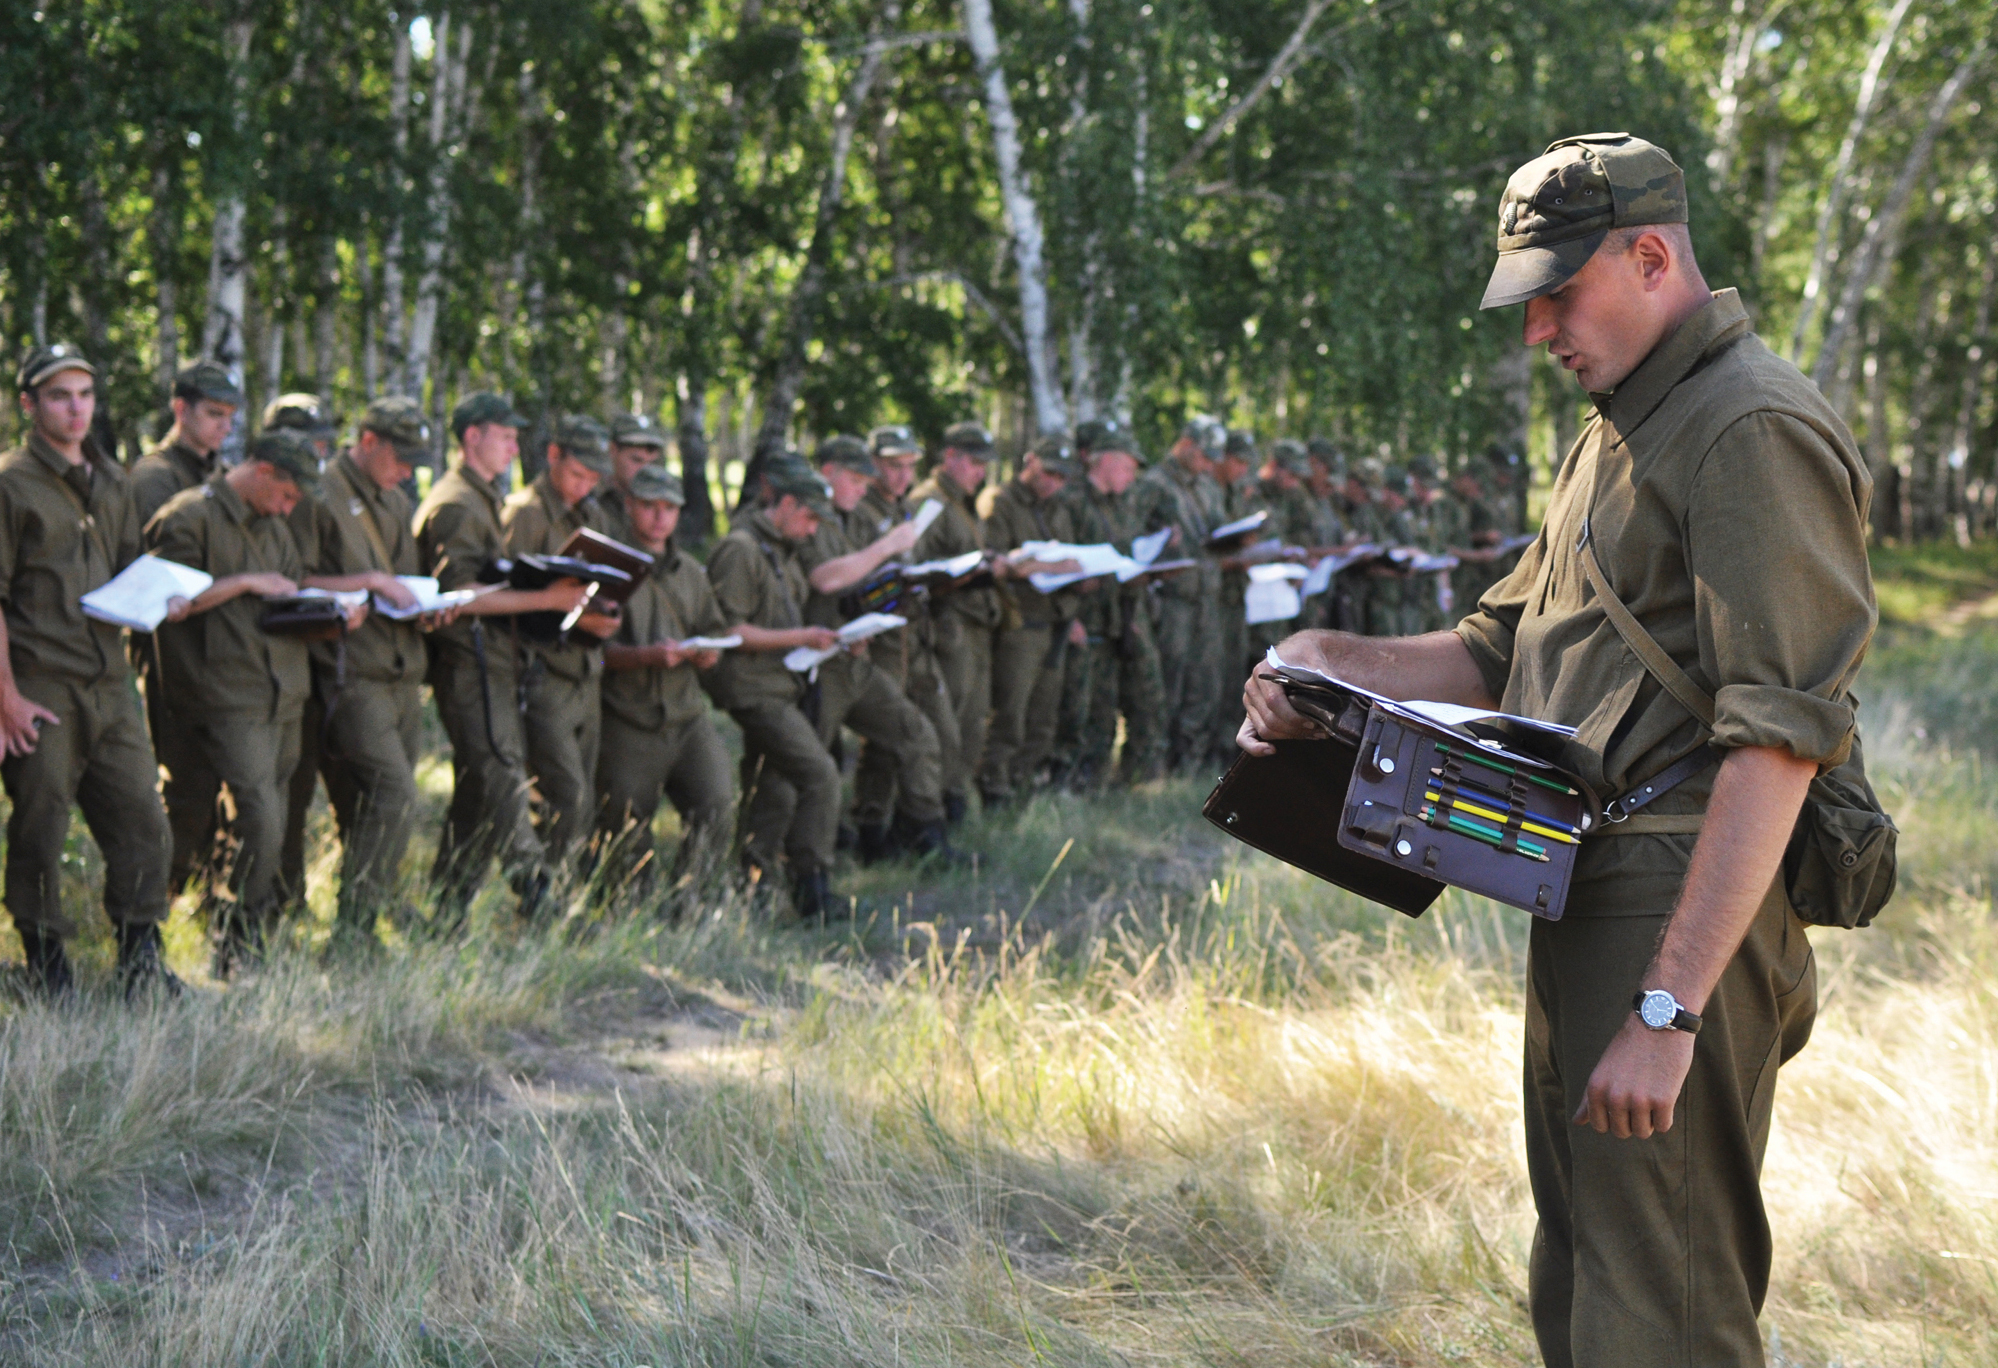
{"type": "Point", "coordinates": [875, 843]}
{"type": "Point", "coordinates": [48, 966]}
{"type": "Point", "coordinates": [955, 806]}
{"type": "Point", "coordinates": [932, 842]}
{"type": "Point", "coordinates": [812, 896]}
{"type": "Point", "coordinates": [535, 902]}
{"type": "Point", "coordinates": [141, 964]}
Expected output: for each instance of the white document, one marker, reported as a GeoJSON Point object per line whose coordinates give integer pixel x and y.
{"type": "Point", "coordinates": [346, 598]}
{"type": "Point", "coordinates": [1271, 598]}
{"type": "Point", "coordinates": [1453, 715]}
{"type": "Point", "coordinates": [1319, 578]}
{"type": "Point", "coordinates": [931, 510]}
{"type": "Point", "coordinates": [1095, 559]}
{"type": "Point", "coordinates": [1145, 550]}
{"type": "Point", "coordinates": [1420, 562]}
{"type": "Point", "coordinates": [1239, 526]}
{"type": "Point", "coordinates": [727, 643]}
{"type": "Point", "coordinates": [137, 596]}
{"type": "Point", "coordinates": [804, 658]}
{"type": "Point", "coordinates": [957, 567]}
{"type": "Point", "coordinates": [429, 599]}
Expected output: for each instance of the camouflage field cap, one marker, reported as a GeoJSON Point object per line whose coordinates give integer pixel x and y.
{"type": "Point", "coordinates": [970, 438]}
{"type": "Point", "coordinates": [1057, 457]}
{"type": "Point", "coordinates": [842, 450]}
{"type": "Point", "coordinates": [1423, 469]}
{"type": "Point", "coordinates": [300, 412]}
{"type": "Point", "coordinates": [399, 421]}
{"type": "Point", "coordinates": [584, 439]}
{"type": "Point", "coordinates": [1370, 472]}
{"type": "Point", "coordinates": [1325, 451]}
{"type": "Point", "coordinates": [636, 430]}
{"type": "Point", "coordinates": [894, 440]}
{"type": "Point", "coordinates": [1241, 445]}
{"type": "Point", "coordinates": [1101, 434]}
{"type": "Point", "coordinates": [653, 482]}
{"type": "Point", "coordinates": [290, 451]}
{"type": "Point", "coordinates": [483, 407]}
{"type": "Point", "coordinates": [207, 380]}
{"type": "Point", "coordinates": [45, 363]}
{"type": "Point", "coordinates": [1395, 479]}
{"type": "Point", "coordinates": [1289, 454]}
{"type": "Point", "coordinates": [1207, 434]}
{"type": "Point", "coordinates": [1559, 207]}
{"type": "Point", "coordinates": [788, 474]}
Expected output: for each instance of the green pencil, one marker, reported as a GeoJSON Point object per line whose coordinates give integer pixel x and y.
{"type": "Point", "coordinates": [1503, 768]}
{"type": "Point", "coordinates": [1464, 826]}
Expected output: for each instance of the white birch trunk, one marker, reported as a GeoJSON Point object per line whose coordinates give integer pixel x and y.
{"type": "Point", "coordinates": [163, 238]}
{"type": "Point", "coordinates": [1824, 252]}
{"type": "Point", "coordinates": [447, 109]}
{"type": "Point", "coordinates": [228, 267]}
{"type": "Point", "coordinates": [393, 324]}
{"type": "Point", "coordinates": [1023, 215]}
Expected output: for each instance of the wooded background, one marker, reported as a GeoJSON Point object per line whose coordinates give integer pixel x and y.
{"type": "Point", "coordinates": [788, 217]}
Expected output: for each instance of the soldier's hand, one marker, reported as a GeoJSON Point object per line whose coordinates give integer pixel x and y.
{"type": "Point", "coordinates": [356, 616]}
{"type": "Point", "coordinates": [270, 586]}
{"type": "Point", "coordinates": [178, 608]}
{"type": "Point", "coordinates": [603, 626]}
{"type": "Point", "coordinates": [563, 595]}
{"type": "Point", "coordinates": [1270, 717]}
{"type": "Point", "coordinates": [669, 654]}
{"type": "Point", "coordinates": [1078, 635]}
{"type": "Point", "coordinates": [394, 590]}
{"type": "Point", "coordinates": [20, 718]}
{"type": "Point", "coordinates": [819, 638]}
{"type": "Point", "coordinates": [705, 660]}
{"type": "Point", "coordinates": [1636, 1084]}
{"type": "Point", "coordinates": [898, 538]}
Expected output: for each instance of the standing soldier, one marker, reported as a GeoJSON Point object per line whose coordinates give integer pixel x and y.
{"type": "Point", "coordinates": [762, 586]}
{"type": "Point", "coordinates": [561, 674]}
{"type": "Point", "coordinates": [908, 653]}
{"type": "Point", "coordinates": [475, 673]}
{"type": "Point", "coordinates": [1179, 492]}
{"type": "Point", "coordinates": [658, 738]}
{"type": "Point", "coordinates": [1434, 520]}
{"type": "Point", "coordinates": [963, 619]}
{"type": "Point", "coordinates": [1031, 654]}
{"type": "Point", "coordinates": [69, 729]}
{"type": "Point", "coordinates": [240, 691]}
{"type": "Point", "coordinates": [853, 690]}
{"type": "Point", "coordinates": [1121, 660]}
{"type": "Point", "coordinates": [367, 687]}
{"type": "Point", "coordinates": [1389, 591]}
{"type": "Point", "coordinates": [634, 444]}
{"type": "Point", "coordinates": [204, 402]}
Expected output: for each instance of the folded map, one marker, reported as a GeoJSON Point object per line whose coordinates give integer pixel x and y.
{"type": "Point", "coordinates": [136, 597]}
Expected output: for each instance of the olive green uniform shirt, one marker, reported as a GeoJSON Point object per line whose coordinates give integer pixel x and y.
{"type": "Point", "coordinates": [956, 531]}
{"type": "Point", "coordinates": [1727, 503]}
{"type": "Point", "coordinates": [1170, 495]}
{"type": "Point", "coordinates": [164, 472]}
{"type": "Point", "coordinates": [758, 579]}
{"type": "Point", "coordinates": [352, 527]}
{"type": "Point", "coordinates": [1099, 517]}
{"type": "Point", "coordinates": [64, 531]}
{"type": "Point", "coordinates": [875, 517]}
{"type": "Point", "coordinates": [613, 519]}
{"type": "Point", "coordinates": [536, 522]}
{"type": "Point", "coordinates": [220, 661]}
{"type": "Point", "coordinates": [457, 532]}
{"type": "Point", "coordinates": [1014, 516]}
{"type": "Point", "coordinates": [840, 535]}
{"type": "Point", "coordinates": [673, 602]}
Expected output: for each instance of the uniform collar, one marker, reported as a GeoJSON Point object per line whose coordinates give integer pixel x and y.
{"type": "Point", "coordinates": [1719, 324]}
{"type": "Point", "coordinates": [951, 489]}
{"type": "Point", "coordinates": [197, 465]}
{"type": "Point", "coordinates": [58, 464]}
{"type": "Point", "coordinates": [224, 493]}
{"type": "Point", "coordinates": [765, 530]}
{"type": "Point", "coordinates": [357, 479]}
{"type": "Point", "coordinates": [551, 502]}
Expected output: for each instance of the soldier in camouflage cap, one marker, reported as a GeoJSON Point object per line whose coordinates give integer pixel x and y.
{"type": "Point", "coordinates": [399, 421]}
{"type": "Point", "coordinates": [1561, 206]}
{"type": "Point", "coordinates": [635, 443]}
{"type": "Point", "coordinates": [970, 438]}
{"type": "Point", "coordinates": [300, 412]}
{"type": "Point", "coordinates": [476, 410]}
{"type": "Point", "coordinates": [1100, 434]}
{"type": "Point", "coordinates": [1180, 492]}
{"type": "Point", "coordinates": [962, 621]}
{"type": "Point", "coordinates": [848, 453]}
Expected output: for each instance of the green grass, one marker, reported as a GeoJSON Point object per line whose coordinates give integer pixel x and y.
{"type": "Point", "coordinates": [1124, 1092]}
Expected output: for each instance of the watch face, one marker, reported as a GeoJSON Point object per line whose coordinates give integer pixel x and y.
{"type": "Point", "coordinates": [1658, 1010]}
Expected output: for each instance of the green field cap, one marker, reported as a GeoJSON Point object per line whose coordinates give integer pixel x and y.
{"type": "Point", "coordinates": [653, 482]}
{"type": "Point", "coordinates": [207, 380]}
{"type": "Point", "coordinates": [970, 438]}
{"type": "Point", "coordinates": [635, 430]}
{"type": "Point", "coordinates": [43, 363]}
{"type": "Point", "coordinates": [301, 413]}
{"type": "Point", "coordinates": [584, 439]}
{"type": "Point", "coordinates": [290, 451]}
{"type": "Point", "coordinates": [1559, 207]}
{"type": "Point", "coordinates": [1289, 454]}
{"type": "Point", "coordinates": [1100, 434]}
{"type": "Point", "coordinates": [788, 474]}
{"type": "Point", "coordinates": [399, 421]}
{"type": "Point", "coordinates": [1327, 452]}
{"type": "Point", "coordinates": [1057, 457]}
{"type": "Point", "coordinates": [483, 407]}
{"type": "Point", "coordinates": [894, 440]}
{"type": "Point", "coordinates": [1241, 443]}
{"type": "Point", "coordinates": [1207, 434]}
{"type": "Point", "coordinates": [842, 450]}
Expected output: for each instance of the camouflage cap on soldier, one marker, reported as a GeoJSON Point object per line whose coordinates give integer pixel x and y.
{"type": "Point", "coordinates": [1423, 469]}
{"type": "Point", "coordinates": [842, 450]}
{"type": "Point", "coordinates": [483, 407]}
{"type": "Point", "coordinates": [1057, 457]}
{"type": "Point", "coordinates": [894, 440]}
{"type": "Point", "coordinates": [970, 438]}
{"type": "Point", "coordinates": [300, 412]}
{"type": "Point", "coordinates": [788, 474]}
{"type": "Point", "coordinates": [1290, 455]}
{"type": "Point", "coordinates": [45, 363]}
{"type": "Point", "coordinates": [1207, 434]}
{"type": "Point", "coordinates": [583, 439]}
{"type": "Point", "coordinates": [652, 482]}
{"type": "Point", "coordinates": [290, 451]}
{"type": "Point", "coordinates": [207, 380]}
{"type": "Point", "coordinates": [1370, 472]}
{"type": "Point", "coordinates": [1100, 434]}
{"type": "Point", "coordinates": [1558, 208]}
{"type": "Point", "coordinates": [399, 421]}
{"type": "Point", "coordinates": [1241, 444]}
{"type": "Point", "coordinates": [636, 430]}
{"type": "Point", "coordinates": [1326, 451]}
{"type": "Point", "coordinates": [1395, 479]}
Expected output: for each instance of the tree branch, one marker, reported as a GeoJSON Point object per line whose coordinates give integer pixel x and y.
{"type": "Point", "coordinates": [1286, 57]}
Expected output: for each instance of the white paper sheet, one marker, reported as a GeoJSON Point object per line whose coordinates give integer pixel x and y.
{"type": "Point", "coordinates": [957, 567]}
{"type": "Point", "coordinates": [931, 510]}
{"type": "Point", "coordinates": [1320, 577]}
{"type": "Point", "coordinates": [1146, 549]}
{"type": "Point", "coordinates": [346, 598]}
{"type": "Point", "coordinates": [429, 599]}
{"type": "Point", "coordinates": [1277, 570]}
{"type": "Point", "coordinates": [1239, 526]}
{"type": "Point", "coordinates": [1441, 714]}
{"type": "Point", "coordinates": [804, 658]}
{"type": "Point", "coordinates": [727, 643]}
{"type": "Point", "coordinates": [136, 597]}
{"type": "Point", "coordinates": [1096, 559]}
{"type": "Point", "coordinates": [1271, 600]}
{"type": "Point", "coordinates": [1420, 562]}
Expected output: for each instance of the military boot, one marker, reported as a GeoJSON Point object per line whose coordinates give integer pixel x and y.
{"type": "Point", "coordinates": [142, 964]}
{"type": "Point", "coordinates": [48, 965]}
{"type": "Point", "coordinates": [932, 841]}
{"type": "Point", "coordinates": [875, 844]}
{"type": "Point", "coordinates": [811, 895]}
{"type": "Point", "coordinates": [955, 806]}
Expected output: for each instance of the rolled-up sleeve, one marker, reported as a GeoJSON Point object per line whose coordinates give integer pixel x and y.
{"type": "Point", "coordinates": [1488, 634]}
{"type": "Point", "coordinates": [1782, 590]}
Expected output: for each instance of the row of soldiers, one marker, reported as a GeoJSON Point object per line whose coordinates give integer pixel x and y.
{"type": "Point", "coordinates": [571, 723]}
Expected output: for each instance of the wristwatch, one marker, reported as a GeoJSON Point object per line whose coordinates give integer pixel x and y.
{"type": "Point", "coordinates": [1660, 1011]}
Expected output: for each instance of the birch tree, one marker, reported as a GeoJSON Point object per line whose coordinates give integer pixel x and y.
{"type": "Point", "coordinates": [447, 126]}
{"type": "Point", "coordinates": [228, 270]}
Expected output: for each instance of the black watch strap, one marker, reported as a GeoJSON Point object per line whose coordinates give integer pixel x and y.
{"type": "Point", "coordinates": [1683, 1021]}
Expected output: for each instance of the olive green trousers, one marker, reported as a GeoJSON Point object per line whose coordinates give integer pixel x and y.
{"type": "Point", "coordinates": [964, 656]}
{"type": "Point", "coordinates": [877, 779]}
{"type": "Point", "coordinates": [488, 817]}
{"type": "Point", "coordinates": [685, 763]}
{"type": "Point", "coordinates": [1655, 1253]}
{"type": "Point", "coordinates": [564, 729]}
{"type": "Point", "coordinates": [790, 789]}
{"type": "Point", "coordinates": [855, 693]}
